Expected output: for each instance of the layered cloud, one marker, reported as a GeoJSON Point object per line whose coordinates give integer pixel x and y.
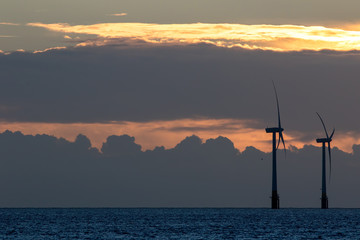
{"type": "Point", "coordinates": [266, 37]}
{"type": "Point", "coordinates": [154, 133]}
{"type": "Point", "coordinates": [158, 85]}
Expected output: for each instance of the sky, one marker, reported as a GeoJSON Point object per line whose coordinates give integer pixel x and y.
{"type": "Point", "coordinates": [161, 71]}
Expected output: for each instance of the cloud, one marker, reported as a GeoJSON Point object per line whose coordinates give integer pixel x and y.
{"type": "Point", "coordinates": [9, 24]}
{"type": "Point", "coordinates": [265, 37]}
{"type": "Point", "coordinates": [195, 173]}
{"type": "Point", "coordinates": [153, 133]}
{"type": "Point", "coordinates": [118, 14]}
{"type": "Point", "coordinates": [149, 83]}
{"type": "Point", "coordinates": [121, 147]}
{"type": "Point", "coordinates": [49, 49]}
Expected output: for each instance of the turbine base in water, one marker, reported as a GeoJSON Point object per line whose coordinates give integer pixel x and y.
{"type": "Point", "coordinates": [275, 200]}
{"type": "Point", "coordinates": [324, 202]}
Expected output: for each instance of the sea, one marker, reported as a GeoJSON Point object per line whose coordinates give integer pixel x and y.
{"type": "Point", "coordinates": [178, 223]}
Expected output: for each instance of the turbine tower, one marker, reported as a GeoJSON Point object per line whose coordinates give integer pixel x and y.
{"type": "Point", "coordinates": [324, 198]}
{"type": "Point", "coordinates": [275, 201]}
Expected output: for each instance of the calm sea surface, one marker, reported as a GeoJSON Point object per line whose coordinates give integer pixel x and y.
{"type": "Point", "coordinates": [179, 223]}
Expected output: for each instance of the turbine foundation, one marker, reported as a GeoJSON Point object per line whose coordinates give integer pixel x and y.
{"type": "Point", "coordinates": [324, 202]}
{"type": "Point", "coordinates": [275, 200]}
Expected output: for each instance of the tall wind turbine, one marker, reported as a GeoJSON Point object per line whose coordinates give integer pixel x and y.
{"type": "Point", "coordinates": [324, 198]}
{"type": "Point", "coordinates": [275, 201]}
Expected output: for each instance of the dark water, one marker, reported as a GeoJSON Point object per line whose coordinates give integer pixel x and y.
{"type": "Point", "coordinates": [179, 224]}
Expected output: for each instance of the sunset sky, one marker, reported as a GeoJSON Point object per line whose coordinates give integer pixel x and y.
{"type": "Point", "coordinates": [162, 70]}
{"type": "Point", "coordinates": [164, 103]}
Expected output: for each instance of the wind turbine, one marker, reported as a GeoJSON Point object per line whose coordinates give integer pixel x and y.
{"type": "Point", "coordinates": [324, 198]}
{"type": "Point", "coordinates": [275, 201]}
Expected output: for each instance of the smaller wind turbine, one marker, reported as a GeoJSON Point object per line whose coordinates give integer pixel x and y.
{"type": "Point", "coordinates": [275, 200]}
{"type": "Point", "coordinates": [324, 198]}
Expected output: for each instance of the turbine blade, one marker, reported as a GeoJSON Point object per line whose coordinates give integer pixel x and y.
{"type": "Point", "coordinates": [323, 124]}
{"type": "Point", "coordinates": [329, 160]}
{"type": "Point", "coordinates": [277, 104]}
{"type": "Point", "coordinates": [278, 144]}
{"type": "Point", "coordinates": [281, 136]}
{"type": "Point", "coordinates": [332, 134]}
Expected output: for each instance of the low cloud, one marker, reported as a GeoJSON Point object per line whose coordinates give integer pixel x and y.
{"type": "Point", "coordinates": [194, 173]}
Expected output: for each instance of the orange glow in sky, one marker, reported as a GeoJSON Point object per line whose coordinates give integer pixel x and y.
{"type": "Point", "coordinates": [168, 133]}
{"type": "Point", "coordinates": [266, 37]}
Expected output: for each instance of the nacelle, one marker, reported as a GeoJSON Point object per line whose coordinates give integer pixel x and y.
{"type": "Point", "coordinates": [274, 129]}
{"type": "Point", "coordinates": [323, 140]}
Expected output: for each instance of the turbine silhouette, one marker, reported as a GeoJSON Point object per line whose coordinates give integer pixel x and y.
{"type": "Point", "coordinates": [324, 198]}
{"type": "Point", "coordinates": [275, 200]}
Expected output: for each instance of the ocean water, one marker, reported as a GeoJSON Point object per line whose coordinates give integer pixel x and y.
{"type": "Point", "coordinates": [177, 223]}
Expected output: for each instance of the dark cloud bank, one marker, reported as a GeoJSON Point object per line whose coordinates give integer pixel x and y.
{"type": "Point", "coordinates": [147, 82]}
{"type": "Point", "coordinates": [45, 171]}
